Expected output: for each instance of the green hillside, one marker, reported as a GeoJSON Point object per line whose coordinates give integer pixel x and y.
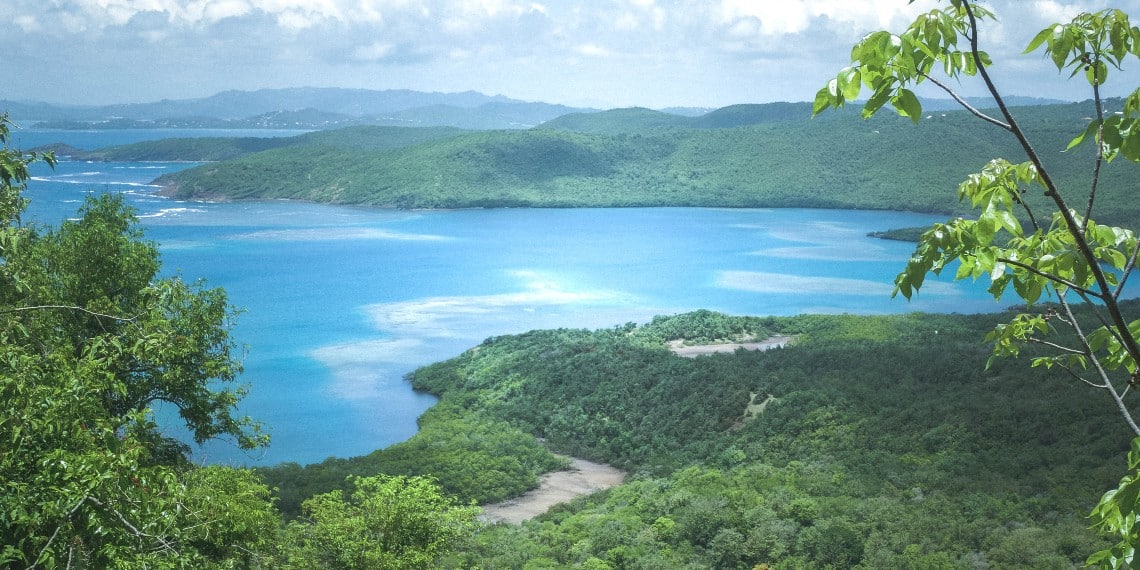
{"type": "Point", "coordinates": [213, 149]}
{"type": "Point", "coordinates": [637, 157]}
{"type": "Point", "coordinates": [876, 445]}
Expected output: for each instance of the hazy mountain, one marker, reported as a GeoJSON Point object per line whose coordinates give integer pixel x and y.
{"type": "Point", "coordinates": [306, 107]}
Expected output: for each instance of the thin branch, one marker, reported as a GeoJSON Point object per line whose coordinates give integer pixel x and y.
{"type": "Point", "coordinates": [1028, 211]}
{"type": "Point", "coordinates": [163, 544]}
{"type": "Point", "coordinates": [1130, 343]}
{"type": "Point", "coordinates": [67, 308]}
{"type": "Point", "coordinates": [56, 533]}
{"type": "Point", "coordinates": [1127, 271]}
{"type": "Point", "coordinates": [973, 110]}
{"type": "Point", "coordinates": [1083, 379]}
{"type": "Point", "coordinates": [1058, 347]}
{"type": "Point", "coordinates": [1049, 276]}
{"type": "Point", "coordinates": [1116, 397]}
{"type": "Point", "coordinates": [1099, 144]}
{"type": "Point", "coordinates": [1103, 322]}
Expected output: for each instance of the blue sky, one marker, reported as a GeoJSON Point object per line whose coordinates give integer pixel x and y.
{"type": "Point", "coordinates": [602, 53]}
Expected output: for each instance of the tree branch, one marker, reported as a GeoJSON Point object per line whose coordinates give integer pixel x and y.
{"type": "Point", "coordinates": [1075, 229]}
{"type": "Point", "coordinates": [1116, 397]}
{"type": "Point", "coordinates": [56, 532]}
{"type": "Point", "coordinates": [1099, 145]}
{"type": "Point", "coordinates": [1058, 347]}
{"type": "Point", "coordinates": [163, 544]}
{"type": "Point", "coordinates": [67, 308]}
{"type": "Point", "coordinates": [974, 111]}
{"type": "Point", "coordinates": [1128, 267]}
{"type": "Point", "coordinates": [1083, 379]}
{"type": "Point", "coordinates": [1049, 276]}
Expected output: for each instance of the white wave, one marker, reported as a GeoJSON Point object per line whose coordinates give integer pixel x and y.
{"type": "Point", "coordinates": [825, 240]}
{"type": "Point", "coordinates": [543, 299]}
{"type": "Point", "coordinates": [369, 352]}
{"type": "Point", "coordinates": [170, 212]}
{"type": "Point", "coordinates": [336, 233]}
{"type": "Point", "coordinates": [833, 252]}
{"type": "Point", "coordinates": [370, 370]}
{"type": "Point", "coordinates": [181, 245]}
{"type": "Point", "coordinates": [94, 182]}
{"type": "Point", "coordinates": [762, 282]}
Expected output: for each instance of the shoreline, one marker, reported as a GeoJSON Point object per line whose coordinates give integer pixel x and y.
{"type": "Point", "coordinates": [582, 478]}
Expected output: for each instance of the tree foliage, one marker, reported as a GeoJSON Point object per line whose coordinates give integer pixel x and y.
{"type": "Point", "coordinates": [1056, 253]}
{"type": "Point", "coordinates": [91, 338]}
{"type": "Point", "coordinates": [908, 454]}
{"type": "Point", "coordinates": [387, 523]}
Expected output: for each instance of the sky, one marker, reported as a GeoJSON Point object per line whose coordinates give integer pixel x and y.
{"type": "Point", "coordinates": [597, 53]}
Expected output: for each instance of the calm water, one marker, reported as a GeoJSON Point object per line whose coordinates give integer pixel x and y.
{"type": "Point", "coordinates": [342, 302]}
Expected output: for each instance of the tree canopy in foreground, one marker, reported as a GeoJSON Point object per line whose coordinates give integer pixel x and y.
{"type": "Point", "coordinates": [1053, 256]}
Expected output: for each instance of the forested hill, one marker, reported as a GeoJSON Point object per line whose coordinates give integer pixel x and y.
{"type": "Point", "coordinates": [641, 120]}
{"type": "Point", "coordinates": [864, 442]}
{"type": "Point", "coordinates": [744, 156]}
{"type": "Point", "coordinates": [210, 149]}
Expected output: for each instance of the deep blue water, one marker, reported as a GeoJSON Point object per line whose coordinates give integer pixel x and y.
{"type": "Point", "coordinates": [340, 302]}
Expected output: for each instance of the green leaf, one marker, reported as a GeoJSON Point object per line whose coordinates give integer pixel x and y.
{"type": "Point", "coordinates": [1089, 131]}
{"type": "Point", "coordinates": [822, 102]}
{"type": "Point", "coordinates": [849, 82]}
{"type": "Point", "coordinates": [1096, 73]}
{"type": "Point", "coordinates": [876, 101]}
{"type": "Point", "coordinates": [1061, 45]}
{"type": "Point", "coordinates": [907, 104]}
{"type": "Point", "coordinates": [1039, 39]}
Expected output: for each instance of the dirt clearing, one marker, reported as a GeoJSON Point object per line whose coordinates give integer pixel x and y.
{"type": "Point", "coordinates": [702, 349]}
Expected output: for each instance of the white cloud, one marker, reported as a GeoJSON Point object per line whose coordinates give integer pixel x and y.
{"type": "Point", "coordinates": [375, 51]}
{"type": "Point", "coordinates": [622, 52]}
{"type": "Point", "coordinates": [796, 16]}
{"type": "Point", "coordinates": [592, 50]}
{"type": "Point", "coordinates": [27, 23]}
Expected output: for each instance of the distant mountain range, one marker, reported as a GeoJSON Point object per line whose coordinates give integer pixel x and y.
{"type": "Point", "coordinates": [302, 107]}
{"type": "Point", "coordinates": [326, 108]}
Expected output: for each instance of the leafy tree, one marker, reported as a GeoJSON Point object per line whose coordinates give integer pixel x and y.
{"type": "Point", "coordinates": [90, 339]}
{"type": "Point", "coordinates": [1047, 250]}
{"type": "Point", "coordinates": [388, 522]}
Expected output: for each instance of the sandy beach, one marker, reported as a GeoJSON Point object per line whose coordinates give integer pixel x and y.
{"type": "Point", "coordinates": [583, 477]}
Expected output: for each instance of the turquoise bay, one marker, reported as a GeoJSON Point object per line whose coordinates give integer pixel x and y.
{"type": "Point", "coordinates": [340, 302]}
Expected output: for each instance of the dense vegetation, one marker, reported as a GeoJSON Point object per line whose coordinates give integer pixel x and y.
{"type": "Point", "coordinates": [472, 457]}
{"type": "Point", "coordinates": [746, 156]}
{"type": "Point", "coordinates": [211, 149]}
{"type": "Point", "coordinates": [92, 341]}
{"type": "Point", "coordinates": [884, 442]}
